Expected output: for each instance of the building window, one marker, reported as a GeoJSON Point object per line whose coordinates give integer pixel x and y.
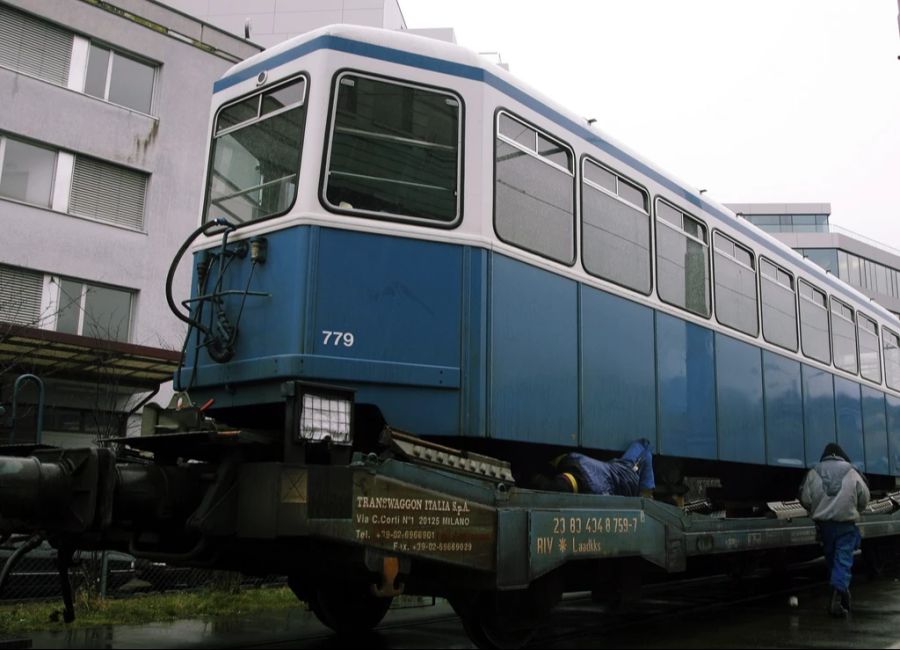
{"type": "Point", "coordinates": [682, 260]}
{"type": "Point", "coordinates": [869, 356]}
{"type": "Point", "coordinates": [735, 281]}
{"type": "Point", "coordinates": [93, 310]}
{"type": "Point", "coordinates": [790, 222]}
{"type": "Point", "coordinates": [34, 47]}
{"type": "Point", "coordinates": [395, 151]}
{"type": "Point", "coordinates": [827, 258]}
{"type": "Point", "coordinates": [26, 171]}
{"type": "Point", "coordinates": [814, 323]}
{"type": "Point", "coordinates": [615, 218]}
{"type": "Point", "coordinates": [119, 79]}
{"type": "Point", "coordinates": [843, 336]}
{"type": "Point", "coordinates": [779, 305]}
{"type": "Point", "coordinates": [866, 274]}
{"type": "Point", "coordinates": [20, 296]}
{"type": "Point", "coordinates": [891, 347]}
{"type": "Point", "coordinates": [108, 192]}
{"type": "Point", "coordinates": [534, 190]}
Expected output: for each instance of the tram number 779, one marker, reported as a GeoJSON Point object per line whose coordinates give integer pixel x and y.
{"type": "Point", "coordinates": [345, 339]}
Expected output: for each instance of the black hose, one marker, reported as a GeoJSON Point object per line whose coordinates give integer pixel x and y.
{"type": "Point", "coordinates": [202, 230]}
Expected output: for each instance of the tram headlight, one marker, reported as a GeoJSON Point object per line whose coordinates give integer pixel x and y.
{"type": "Point", "coordinates": [319, 413]}
{"type": "Point", "coordinates": [323, 418]}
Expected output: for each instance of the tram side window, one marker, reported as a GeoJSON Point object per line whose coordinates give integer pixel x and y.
{"type": "Point", "coordinates": [869, 357]}
{"type": "Point", "coordinates": [779, 305]}
{"type": "Point", "coordinates": [843, 336]}
{"type": "Point", "coordinates": [256, 154]}
{"type": "Point", "coordinates": [814, 323]}
{"type": "Point", "coordinates": [891, 343]}
{"type": "Point", "coordinates": [534, 191]}
{"type": "Point", "coordinates": [682, 260]}
{"type": "Point", "coordinates": [615, 216]}
{"type": "Point", "coordinates": [735, 279]}
{"type": "Point", "coordinates": [394, 151]}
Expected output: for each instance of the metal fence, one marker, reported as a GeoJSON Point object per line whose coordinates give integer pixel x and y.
{"type": "Point", "coordinates": [109, 573]}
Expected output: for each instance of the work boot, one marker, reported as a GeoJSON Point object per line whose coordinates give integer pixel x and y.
{"type": "Point", "coordinates": [836, 607]}
{"type": "Point", "coordinates": [845, 600]}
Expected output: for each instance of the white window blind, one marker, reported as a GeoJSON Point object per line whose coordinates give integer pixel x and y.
{"type": "Point", "coordinates": [20, 295]}
{"type": "Point", "coordinates": [108, 192]}
{"type": "Point", "coordinates": [34, 47]}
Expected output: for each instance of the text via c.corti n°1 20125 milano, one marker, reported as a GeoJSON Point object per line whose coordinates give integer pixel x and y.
{"type": "Point", "coordinates": [406, 519]}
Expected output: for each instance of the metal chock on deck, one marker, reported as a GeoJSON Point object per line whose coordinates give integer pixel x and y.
{"type": "Point", "coordinates": [787, 509]}
{"type": "Point", "coordinates": [430, 453]}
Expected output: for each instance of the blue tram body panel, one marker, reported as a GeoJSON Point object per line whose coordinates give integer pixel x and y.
{"type": "Point", "coordinates": [618, 392]}
{"type": "Point", "coordinates": [401, 301]}
{"type": "Point", "coordinates": [848, 412]}
{"type": "Point", "coordinates": [818, 411]}
{"type": "Point", "coordinates": [784, 410]}
{"type": "Point", "coordinates": [533, 352]}
{"type": "Point", "coordinates": [473, 407]}
{"type": "Point", "coordinates": [875, 431]}
{"type": "Point", "coordinates": [892, 411]}
{"type": "Point", "coordinates": [454, 340]}
{"type": "Point", "coordinates": [271, 331]}
{"type": "Point", "coordinates": [739, 393]}
{"type": "Point", "coordinates": [400, 298]}
{"type": "Point", "coordinates": [380, 313]}
{"type": "Point", "coordinates": [686, 388]}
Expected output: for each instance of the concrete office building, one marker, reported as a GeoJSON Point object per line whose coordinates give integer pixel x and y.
{"type": "Point", "coordinates": [871, 267]}
{"type": "Point", "coordinates": [269, 22]}
{"type": "Point", "coordinates": [104, 113]}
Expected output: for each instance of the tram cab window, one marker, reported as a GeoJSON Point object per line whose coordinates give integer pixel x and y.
{"type": "Point", "coordinates": [534, 190]}
{"type": "Point", "coordinates": [394, 151]}
{"type": "Point", "coordinates": [615, 220]}
{"type": "Point", "coordinates": [814, 323]}
{"type": "Point", "coordinates": [843, 336]}
{"type": "Point", "coordinates": [869, 356]}
{"type": "Point", "coordinates": [735, 282]}
{"type": "Point", "coordinates": [891, 348]}
{"type": "Point", "coordinates": [682, 259]}
{"type": "Point", "coordinates": [256, 154]}
{"type": "Point", "coordinates": [779, 305]}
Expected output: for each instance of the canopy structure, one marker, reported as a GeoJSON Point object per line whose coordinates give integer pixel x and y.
{"type": "Point", "coordinates": [68, 356]}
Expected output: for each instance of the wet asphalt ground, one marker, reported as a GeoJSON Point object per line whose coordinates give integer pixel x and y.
{"type": "Point", "coordinates": [693, 615]}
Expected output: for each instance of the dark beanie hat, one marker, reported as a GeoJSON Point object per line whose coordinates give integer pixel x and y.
{"type": "Point", "coordinates": [834, 449]}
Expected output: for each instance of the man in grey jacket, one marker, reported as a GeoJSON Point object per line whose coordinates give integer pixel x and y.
{"type": "Point", "coordinates": [834, 493]}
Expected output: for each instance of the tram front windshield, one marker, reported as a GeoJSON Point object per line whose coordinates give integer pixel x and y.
{"type": "Point", "coordinates": [255, 156]}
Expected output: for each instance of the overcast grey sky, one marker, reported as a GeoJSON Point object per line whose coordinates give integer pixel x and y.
{"type": "Point", "coordinates": [753, 100]}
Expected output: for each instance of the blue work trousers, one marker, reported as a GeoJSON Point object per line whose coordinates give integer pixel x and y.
{"type": "Point", "coordinates": [840, 539]}
{"type": "Point", "coordinates": [640, 449]}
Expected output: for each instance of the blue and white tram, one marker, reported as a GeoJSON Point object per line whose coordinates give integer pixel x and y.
{"type": "Point", "coordinates": [481, 264]}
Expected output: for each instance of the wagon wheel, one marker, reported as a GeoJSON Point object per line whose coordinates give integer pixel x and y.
{"type": "Point", "coordinates": [506, 619]}
{"type": "Point", "coordinates": [346, 608]}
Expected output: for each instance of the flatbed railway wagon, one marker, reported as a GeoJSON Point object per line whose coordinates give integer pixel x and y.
{"type": "Point", "coordinates": [398, 236]}
{"type": "Point", "coordinates": [417, 518]}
